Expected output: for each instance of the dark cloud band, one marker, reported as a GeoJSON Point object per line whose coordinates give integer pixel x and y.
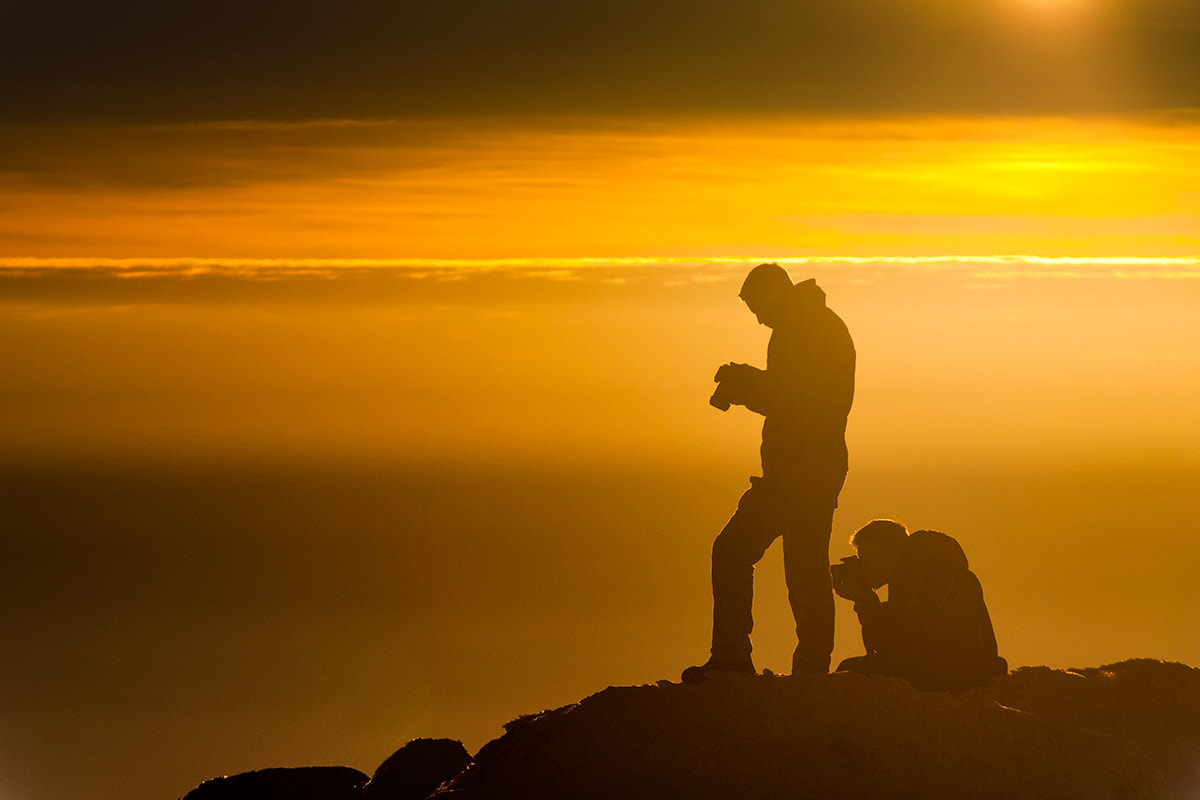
{"type": "Point", "coordinates": [271, 60]}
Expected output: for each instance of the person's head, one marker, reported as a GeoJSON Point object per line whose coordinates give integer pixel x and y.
{"type": "Point", "coordinates": [766, 291]}
{"type": "Point", "coordinates": [880, 546]}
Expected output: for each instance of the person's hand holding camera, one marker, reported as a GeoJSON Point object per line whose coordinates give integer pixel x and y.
{"type": "Point", "coordinates": [849, 582]}
{"type": "Point", "coordinates": [852, 590]}
{"type": "Point", "coordinates": [731, 382]}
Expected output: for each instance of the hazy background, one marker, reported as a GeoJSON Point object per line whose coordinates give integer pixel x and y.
{"type": "Point", "coordinates": [301, 520]}
{"type": "Point", "coordinates": [354, 357]}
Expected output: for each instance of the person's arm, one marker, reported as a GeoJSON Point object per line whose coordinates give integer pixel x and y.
{"type": "Point", "coordinates": [782, 386]}
{"type": "Point", "coordinates": [747, 386]}
{"type": "Point", "coordinates": [759, 390]}
{"type": "Point", "coordinates": [918, 602]}
{"type": "Point", "coordinates": [877, 633]}
{"type": "Point", "coordinates": [914, 605]}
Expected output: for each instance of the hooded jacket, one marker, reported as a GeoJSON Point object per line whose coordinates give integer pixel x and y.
{"type": "Point", "coordinates": [805, 393]}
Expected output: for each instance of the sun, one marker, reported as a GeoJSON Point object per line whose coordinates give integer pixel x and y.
{"type": "Point", "coordinates": [1053, 6]}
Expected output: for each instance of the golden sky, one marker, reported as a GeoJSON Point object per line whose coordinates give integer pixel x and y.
{"type": "Point", "coordinates": [533, 129]}
{"type": "Point", "coordinates": [356, 356]}
{"type": "Point", "coordinates": [745, 187]}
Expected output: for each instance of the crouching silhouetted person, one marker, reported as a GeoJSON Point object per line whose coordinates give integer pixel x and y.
{"type": "Point", "coordinates": [934, 630]}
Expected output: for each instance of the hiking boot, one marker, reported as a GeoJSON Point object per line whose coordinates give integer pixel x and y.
{"type": "Point", "coordinates": [717, 670]}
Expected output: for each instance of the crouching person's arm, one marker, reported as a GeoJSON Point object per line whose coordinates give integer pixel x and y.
{"type": "Point", "coordinates": [877, 634]}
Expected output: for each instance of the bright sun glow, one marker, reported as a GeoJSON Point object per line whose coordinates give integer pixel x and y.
{"type": "Point", "coordinates": [1048, 4]}
{"type": "Point", "coordinates": [914, 187]}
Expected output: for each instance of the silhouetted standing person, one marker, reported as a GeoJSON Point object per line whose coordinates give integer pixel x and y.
{"type": "Point", "coordinates": [804, 394]}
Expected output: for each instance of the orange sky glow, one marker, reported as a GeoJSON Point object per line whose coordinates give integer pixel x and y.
{"type": "Point", "coordinates": [356, 356]}
{"type": "Point", "coordinates": [908, 186]}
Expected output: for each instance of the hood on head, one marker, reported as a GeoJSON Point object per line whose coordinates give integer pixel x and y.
{"type": "Point", "coordinates": [808, 294]}
{"type": "Point", "coordinates": [939, 547]}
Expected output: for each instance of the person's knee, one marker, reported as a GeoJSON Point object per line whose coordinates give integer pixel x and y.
{"type": "Point", "coordinates": [808, 576]}
{"type": "Point", "coordinates": [807, 573]}
{"type": "Point", "coordinates": [728, 549]}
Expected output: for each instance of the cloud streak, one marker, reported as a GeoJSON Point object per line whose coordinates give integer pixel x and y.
{"type": "Point", "coordinates": [986, 266]}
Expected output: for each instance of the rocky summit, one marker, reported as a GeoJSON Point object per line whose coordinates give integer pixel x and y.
{"type": "Point", "coordinates": [1123, 731]}
{"type": "Point", "coordinates": [1128, 730]}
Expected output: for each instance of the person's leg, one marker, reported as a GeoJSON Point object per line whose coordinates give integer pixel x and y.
{"type": "Point", "coordinates": [740, 545]}
{"type": "Point", "coordinates": [806, 568]}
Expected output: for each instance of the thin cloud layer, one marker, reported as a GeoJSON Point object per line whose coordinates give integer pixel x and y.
{"type": "Point", "coordinates": [254, 267]}
{"type": "Point", "coordinates": [121, 284]}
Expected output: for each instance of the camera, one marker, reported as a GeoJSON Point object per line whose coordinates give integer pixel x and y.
{"type": "Point", "coordinates": [848, 575]}
{"type": "Point", "coordinates": [723, 396]}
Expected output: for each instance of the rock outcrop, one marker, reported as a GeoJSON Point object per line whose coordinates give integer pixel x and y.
{"type": "Point", "coordinates": [1129, 731]}
{"type": "Point", "coordinates": [284, 783]}
{"type": "Point", "coordinates": [1153, 703]}
{"type": "Point", "coordinates": [1035, 733]}
{"type": "Point", "coordinates": [415, 770]}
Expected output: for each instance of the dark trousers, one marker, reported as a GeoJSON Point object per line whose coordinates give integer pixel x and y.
{"type": "Point", "coordinates": [931, 669]}
{"type": "Point", "coordinates": [804, 520]}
